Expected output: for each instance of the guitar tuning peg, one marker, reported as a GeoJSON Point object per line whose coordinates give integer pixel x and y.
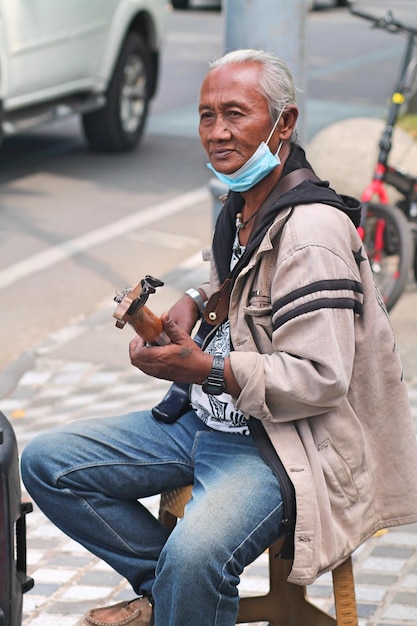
{"type": "Point", "coordinates": [151, 282]}
{"type": "Point", "coordinates": [121, 294]}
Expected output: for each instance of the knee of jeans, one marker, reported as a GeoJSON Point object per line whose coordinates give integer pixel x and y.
{"type": "Point", "coordinates": [193, 551]}
{"type": "Point", "coordinates": [36, 461]}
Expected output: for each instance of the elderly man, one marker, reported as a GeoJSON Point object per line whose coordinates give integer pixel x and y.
{"type": "Point", "coordinates": [298, 423]}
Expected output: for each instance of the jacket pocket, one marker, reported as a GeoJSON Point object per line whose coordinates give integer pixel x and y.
{"type": "Point", "coordinates": [337, 473]}
{"type": "Point", "coordinates": [259, 308]}
{"type": "Point", "coordinates": [258, 315]}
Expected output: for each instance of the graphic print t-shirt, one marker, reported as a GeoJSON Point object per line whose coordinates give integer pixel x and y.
{"type": "Point", "coordinates": [219, 412]}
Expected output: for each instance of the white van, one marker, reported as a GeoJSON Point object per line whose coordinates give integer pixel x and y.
{"type": "Point", "coordinates": [96, 58]}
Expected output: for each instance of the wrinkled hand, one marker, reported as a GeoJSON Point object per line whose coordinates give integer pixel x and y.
{"type": "Point", "coordinates": [181, 360]}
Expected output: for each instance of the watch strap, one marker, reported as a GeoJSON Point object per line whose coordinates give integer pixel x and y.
{"type": "Point", "coordinates": [214, 384]}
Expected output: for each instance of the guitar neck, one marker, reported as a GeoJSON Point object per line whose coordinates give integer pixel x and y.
{"type": "Point", "coordinates": [148, 326]}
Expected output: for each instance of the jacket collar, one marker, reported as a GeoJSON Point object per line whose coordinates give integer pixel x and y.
{"type": "Point", "coordinates": [307, 192]}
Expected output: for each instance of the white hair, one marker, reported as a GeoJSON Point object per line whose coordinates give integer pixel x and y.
{"type": "Point", "coordinates": [275, 80]}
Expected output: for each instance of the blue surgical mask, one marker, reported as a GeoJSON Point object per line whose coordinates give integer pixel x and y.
{"type": "Point", "coordinates": [260, 164]}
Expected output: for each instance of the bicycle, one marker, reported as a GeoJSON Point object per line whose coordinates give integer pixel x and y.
{"type": "Point", "coordinates": [389, 232]}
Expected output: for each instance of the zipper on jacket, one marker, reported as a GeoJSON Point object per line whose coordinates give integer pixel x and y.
{"type": "Point", "coordinates": [271, 457]}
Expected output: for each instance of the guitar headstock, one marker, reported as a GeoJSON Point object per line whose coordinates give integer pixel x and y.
{"type": "Point", "coordinates": [131, 309]}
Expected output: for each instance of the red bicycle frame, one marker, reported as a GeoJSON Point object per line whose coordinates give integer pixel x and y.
{"type": "Point", "coordinates": [375, 188]}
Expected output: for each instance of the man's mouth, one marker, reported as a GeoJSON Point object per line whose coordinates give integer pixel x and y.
{"type": "Point", "coordinates": [221, 153]}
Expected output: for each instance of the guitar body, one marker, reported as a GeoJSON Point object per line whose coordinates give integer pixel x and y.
{"type": "Point", "coordinates": [175, 403]}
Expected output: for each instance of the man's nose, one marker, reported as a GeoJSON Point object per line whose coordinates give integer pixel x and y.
{"type": "Point", "coordinates": [219, 129]}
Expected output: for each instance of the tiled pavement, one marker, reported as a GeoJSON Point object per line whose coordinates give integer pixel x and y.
{"type": "Point", "coordinates": [69, 580]}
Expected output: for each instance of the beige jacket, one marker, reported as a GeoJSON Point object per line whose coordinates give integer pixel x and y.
{"type": "Point", "coordinates": [326, 382]}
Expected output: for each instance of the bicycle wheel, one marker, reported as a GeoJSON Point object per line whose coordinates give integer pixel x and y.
{"type": "Point", "coordinates": [389, 246]}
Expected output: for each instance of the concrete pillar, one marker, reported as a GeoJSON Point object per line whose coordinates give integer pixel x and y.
{"type": "Point", "coordinates": [277, 26]}
{"type": "Point", "coordinates": [217, 189]}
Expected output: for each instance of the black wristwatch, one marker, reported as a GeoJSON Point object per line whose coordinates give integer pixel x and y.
{"type": "Point", "coordinates": [214, 383]}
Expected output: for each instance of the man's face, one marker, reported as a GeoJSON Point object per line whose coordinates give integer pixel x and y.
{"type": "Point", "coordinates": [234, 117]}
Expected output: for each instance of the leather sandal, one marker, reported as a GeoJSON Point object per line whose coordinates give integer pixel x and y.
{"type": "Point", "coordinates": [137, 612]}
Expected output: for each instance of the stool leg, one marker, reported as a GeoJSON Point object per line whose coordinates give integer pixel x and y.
{"type": "Point", "coordinates": [344, 594]}
{"type": "Point", "coordinates": [285, 604]}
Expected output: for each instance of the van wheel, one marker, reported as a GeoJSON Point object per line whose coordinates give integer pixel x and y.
{"type": "Point", "coordinates": [119, 124]}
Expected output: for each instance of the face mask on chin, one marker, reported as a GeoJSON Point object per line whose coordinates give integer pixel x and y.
{"type": "Point", "coordinates": [260, 164]}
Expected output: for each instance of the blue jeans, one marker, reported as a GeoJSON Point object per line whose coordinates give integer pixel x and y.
{"type": "Point", "coordinates": [87, 477]}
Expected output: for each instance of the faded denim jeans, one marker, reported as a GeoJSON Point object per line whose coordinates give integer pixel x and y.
{"type": "Point", "coordinates": [87, 477]}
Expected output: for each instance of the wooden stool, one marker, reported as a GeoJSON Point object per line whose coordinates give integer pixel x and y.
{"type": "Point", "coordinates": [285, 604]}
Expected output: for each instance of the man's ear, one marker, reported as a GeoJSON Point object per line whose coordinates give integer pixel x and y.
{"type": "Point", "coordinates": [288, 121]}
